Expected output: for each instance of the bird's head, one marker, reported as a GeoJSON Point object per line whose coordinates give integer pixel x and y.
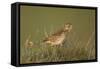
{"type": "Point", "coordinates": [68, 27]}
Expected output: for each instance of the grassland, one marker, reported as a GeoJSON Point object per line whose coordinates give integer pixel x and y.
{"type": "Point", "coordinates": [73, 49]}
{"type": "Point", "coordinates": [79, 43]}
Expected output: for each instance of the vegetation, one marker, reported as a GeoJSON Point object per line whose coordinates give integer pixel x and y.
{"type": "Point", "coordinates": [72, 49]}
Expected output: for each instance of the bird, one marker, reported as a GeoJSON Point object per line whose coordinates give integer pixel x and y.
{"type": "Point", "coordinates": [58, 37]}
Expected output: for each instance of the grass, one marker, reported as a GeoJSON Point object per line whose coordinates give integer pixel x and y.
{"type": "Point", "coordinates": [73, 49]}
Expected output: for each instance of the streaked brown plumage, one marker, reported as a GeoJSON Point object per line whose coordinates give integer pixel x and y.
{"type": "Point", "coordinates": [58, 37]}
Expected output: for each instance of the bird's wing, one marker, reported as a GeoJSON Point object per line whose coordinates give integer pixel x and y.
{"type": "Point", "coordinates": [52, 38]}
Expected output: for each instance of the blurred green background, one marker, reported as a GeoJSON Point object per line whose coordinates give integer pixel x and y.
{"type": "Point", "coordinates": [35, 20]}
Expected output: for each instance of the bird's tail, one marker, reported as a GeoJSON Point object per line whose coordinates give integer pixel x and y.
{"type": "Point", "coordinates": [44, 40]}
